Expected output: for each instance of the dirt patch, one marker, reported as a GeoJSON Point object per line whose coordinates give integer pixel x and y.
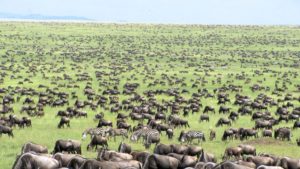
{"type": "Point", "coordinates": [266, 141]}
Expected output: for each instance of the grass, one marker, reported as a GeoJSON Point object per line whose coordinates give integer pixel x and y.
{"type": "Point", "coordinates": [142, 53]}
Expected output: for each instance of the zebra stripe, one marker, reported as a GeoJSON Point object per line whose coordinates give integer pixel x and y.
{"type": "Point", "coordinates": [190, 135]}
{"type": "Point", "coordinates": [144, 132]}
{"type": "Point", "coordinates": [95, 131]}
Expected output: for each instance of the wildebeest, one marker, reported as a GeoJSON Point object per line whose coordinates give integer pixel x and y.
{"type": "Point", "coordinates": [283, 133]}
{"type": "Point", "coordinates": [223, 121]}
{"type": "Point", "coordinates": [63, 159]}
{"type": "Point", "coordinates": [156, 161]}
{"type": "Point", "coordinates": [103, 123]}
{"type": "Point", "coordinates": [110, 155]}
{"type": "Point", "coordinates": [235, 152]}
{"type": "Point", "coordinates": [32, 147]}
{"type": "Point", "coordinates": [204, 117]}
{"type": "Point", "coordinates": [97, 140]}
{"type": "Point", "coordinates": [209, 109]}
{"type": "Point", "coordinates": [124, 148]}
{"type": "Point", "coordinates": [34, 160]}
{"type": "Point", "coordinates": [267, 133]}
{"type": "Point", "coordinates": [260, 160]}
{"type": "Point", "coordinates": [248, 149]}
{"type": "Point", "coordinates": [184, 160]}
{"type": "Point", "coordinates": [69, 146]}
{"type": "Point", "coordinates": [64, 121]}
{"type": "Point", "coordinates": [6, 130]}
{"type": "Point", "coordinates": [245, 133]}
{"type": "Point", "coordinates": [288, 163]}
{"type": "Point", "coordinates": [162, 149]}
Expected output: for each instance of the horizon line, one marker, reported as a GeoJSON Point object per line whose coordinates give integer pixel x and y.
{"type": "Point", "coordinates": [134, 23]}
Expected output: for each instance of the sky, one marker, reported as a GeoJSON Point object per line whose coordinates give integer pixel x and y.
{"type": "Point", "coordinates": [261, 12]}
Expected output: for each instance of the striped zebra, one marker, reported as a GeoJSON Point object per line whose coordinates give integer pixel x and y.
{"type": "Point", "coordinates": [189, 136]}
{"type": "Point", "coordinates": [117, 132]}
{"type": "Point", "coordinates": [149, 135]}
{"type": "Point", "coordinates": [95, 131]}
{"type": "Point", "coordinates": [152, 137]}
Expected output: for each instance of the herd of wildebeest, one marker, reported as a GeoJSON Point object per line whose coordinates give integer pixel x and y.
{"type": "Point", "coordinates": [148, 92]}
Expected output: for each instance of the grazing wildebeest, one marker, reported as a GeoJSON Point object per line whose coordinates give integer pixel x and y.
{"type": "Point", "coordinates": [6, 130]}
{"type": "Point", "coordinates": [235, 152]}
{"type": "Point", "coordinates": [103, 123]}
{"type": "Point", "coordinates": [97, 140]}
{"type": "Point", "coordinates": [222, 121]}
{"type": "Point", "coordinates": [267, 133]}
{"type": "Point", "coordinates": [204, 117]}
{"type": "Point", "coordinates": [34, 147]}
{"type": "Point", "coordinates": [224, 109]}
{"type": "Point", "coordinates": [64, 121]}
{"type": "Point", "coordinates": [209, 109]}
{"type": "Point", "coordinates": [283, 133]}
{"type": "Point", "coordinates": [70, 146]}
{"type": "Point", "coordinates": [248, 149]}
{"type": "Point", "coordinates": [245, 133]}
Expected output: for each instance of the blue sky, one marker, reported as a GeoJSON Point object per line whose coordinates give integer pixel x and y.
{"type": "Point", "coordinates": [165, 11]}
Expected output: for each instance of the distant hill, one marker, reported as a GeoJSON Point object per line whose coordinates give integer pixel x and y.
{"type": "Point", "coordinates": [40, 17]}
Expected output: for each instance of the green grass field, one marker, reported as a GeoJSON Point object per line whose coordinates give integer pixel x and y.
{"type": "Point", "coordinates": [209, 56]}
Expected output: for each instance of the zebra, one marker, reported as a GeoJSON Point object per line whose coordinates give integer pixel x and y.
{"type": "Point", "coordinates": [136, 135]}
{"type": "Point", "coordinates": [95, 131]}
{"type": "Point", "coordinates": [143, 132]}
{"type": "Point", "coordinates": [190, 135]}
{"type": "Point", "coordinates": [149, 135]}
{"type": "Point", "coordinates": [152, 137]}
{"type": "Point", "coordinates": [117, 132]}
